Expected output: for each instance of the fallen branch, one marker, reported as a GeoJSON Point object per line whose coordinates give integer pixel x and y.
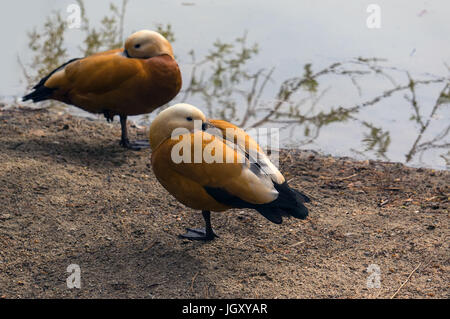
{"type": "Point", "coordinates": [338, 178]}
{"type": "Point", "coordinates": [407, 279]}
{"type": "Point", "coordinates": [150, 246]}
{"type": "Point", "coordinates": [383, 203]}
{"type": "Point", "coordinates": [193, 280]}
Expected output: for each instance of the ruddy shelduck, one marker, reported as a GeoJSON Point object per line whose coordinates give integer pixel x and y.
{"type": "Point", "coordinates": [130, 81]}
{"type": "Point", "coordinates": [238, 173]}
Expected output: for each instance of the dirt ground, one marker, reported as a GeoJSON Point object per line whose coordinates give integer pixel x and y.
{"type": "Point", "coordinates": [71, 195]}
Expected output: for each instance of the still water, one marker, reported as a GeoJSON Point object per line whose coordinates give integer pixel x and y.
{"type": "Point", "coordinates": [312, 68]}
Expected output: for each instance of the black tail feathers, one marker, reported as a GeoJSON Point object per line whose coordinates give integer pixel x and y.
{"type": "Point", "coordinates": [40, 93]}
{"type": "Point", "coordinates": [301, 197]}
{"type": "Point", "coordinates": [288, 203]}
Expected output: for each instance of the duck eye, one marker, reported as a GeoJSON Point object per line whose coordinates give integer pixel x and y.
{"type": "Point", "coordinates": [137, 46]}
{"type": "Point", "coordinates": [189, 118]}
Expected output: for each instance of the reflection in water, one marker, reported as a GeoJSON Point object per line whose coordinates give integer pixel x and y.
{"type": "Point", "coordinates": [227, 89]}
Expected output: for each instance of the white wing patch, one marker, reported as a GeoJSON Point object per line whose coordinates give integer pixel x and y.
{"type": "Point", "coordinates": [259, 159]}
{"type": "Point", "coordinates": [257, 170]}
{"type": "Point", "coordinates": [261, 186]}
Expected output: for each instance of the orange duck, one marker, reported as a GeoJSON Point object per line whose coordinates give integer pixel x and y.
{"type": "Point", "coordinates": [208, 169]}
{"type": "Point", "coordinates": [130, 81]}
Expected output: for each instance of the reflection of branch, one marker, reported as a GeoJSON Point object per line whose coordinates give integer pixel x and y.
{"type": "Point", "coordinates": [371, 63]}
{"type": "Point", "coordinates": [253, 98]}
{"type": "Point", "coordinates": [122, 19]}
{"type": "Point", "coordinates": [413, 101]}
{"type": "Point", "coordinates": [389, 93]}
{"type": "Point", "coordinates": [222, 75]}
{"type": "Point", "coordinates": [28, 77]}
{"type": "Point", "coordinates": [377, 137]}
{"type": "Point", "coordinates": [440, 100]}
{"type": "Point", "coordinates": [292, 107]}
{"type": "Point", "coordinates": [437, 138]}
{"type": "Point", "coordinates": [446, 158]}
{"type": "Point", "coordinates": [289, 87]}
{"type": "Point", "coordinates": [222, 80]}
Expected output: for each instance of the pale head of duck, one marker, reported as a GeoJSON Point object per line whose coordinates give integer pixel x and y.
{"type": "Point", "coordinates": [179, 116]}
{"type": "Point", "coordinates": [146, 44]}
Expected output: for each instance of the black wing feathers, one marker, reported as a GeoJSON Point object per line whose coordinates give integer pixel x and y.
{"type": "Point", "coordinates": [41, 92]}
{"type": "Point", "coordinates": [288, 203]}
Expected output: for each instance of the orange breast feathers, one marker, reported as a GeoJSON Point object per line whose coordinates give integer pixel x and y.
{"type": "Point", "coordinates": [223, 165]}
{"type": "Point", "coordinates": [114, 82]}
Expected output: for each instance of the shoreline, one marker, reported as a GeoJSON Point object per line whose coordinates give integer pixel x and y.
{"type": "Point", "coordinates": [78, 113]}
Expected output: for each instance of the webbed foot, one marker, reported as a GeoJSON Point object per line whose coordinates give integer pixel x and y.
{"type": "Point", "coordinates": [135, 146]}
{"type": "Point", "coordinates": [205, 234]}
{"type": "Point", "coordinates": [199, 234]}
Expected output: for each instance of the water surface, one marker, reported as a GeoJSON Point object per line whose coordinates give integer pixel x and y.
{"type": "Point", "coordinates": [337, 112]}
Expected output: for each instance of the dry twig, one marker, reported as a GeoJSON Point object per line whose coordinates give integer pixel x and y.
{"type": "Point", "coordinates": [407, 279]}
{"type": "Point", "coordinates": [193, 280]}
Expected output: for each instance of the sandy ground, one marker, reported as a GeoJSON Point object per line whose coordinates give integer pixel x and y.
{"type": "Point", "coordinates": [71, 195]}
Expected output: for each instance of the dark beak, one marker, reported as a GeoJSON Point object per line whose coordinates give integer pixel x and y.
{"type": "Point", "coordinates": [125, 52]}
{"type": "Point", "coordinates": [206, 125]}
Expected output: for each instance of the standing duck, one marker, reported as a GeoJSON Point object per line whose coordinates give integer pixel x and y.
{"type": "Point", "coordinates": [205, 167]}
{"type": "Point", "coordinates": [130, 81]}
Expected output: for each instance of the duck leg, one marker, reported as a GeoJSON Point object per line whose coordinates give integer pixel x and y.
{"type": "Point", "coordinates": [125, 142]}
{"type": "Point", "coordinates": [205, 234]}
{"type": "Point", "coordinates": [108, 116]}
